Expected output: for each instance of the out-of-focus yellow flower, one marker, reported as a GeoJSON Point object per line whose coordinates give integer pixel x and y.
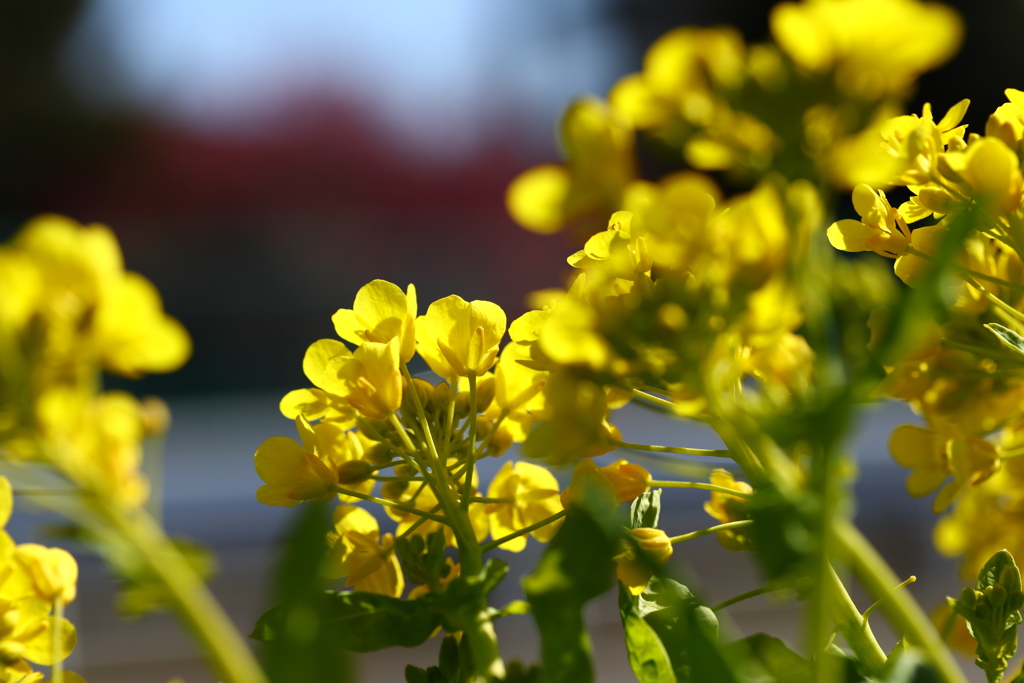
{"type": "Point", "coordinates": [911, 267]}
{"type": "Point", "coordinates": [624, 480]}
{"type": "Point", "coordinates": [293, 472]}
{"type": "Point", "coordinates": [576, 422]}
{"type": "Point", "coordinates": [21, 288]}
{"type": "Point", "coordinates": [133, 333]}
{"type": "Point", "coordinates": [52, 571]}
{"type": "Point", "coordinates": [361, 555]}
{"type": "Point", "coordinates": [881, 228]}
{"type": "Point", "coordinates": [381, 312]}
{"type": "Point", "coordinates": [983, 520]}
{"type": "Point", "coordinates": [457, 337]}
{"type": "Point", "coordinates": [599, 164]}
{"type": "Point", "coordinates": [727, 508]}
{"type": "Point", "coordinates": [636, 572]}
{"type": "Point", "coordinates": [933, 457]}
{"type": "Point", "coordinates": [534, 493]}
{"type": "Point", "coordinates": [1007, 121]}
{"type": "Point", "coordinates": [876, 47]}
{"type": "Point", "coordinates": [517, 390]}
{"type": "Point", "coordinates": [991, 173]}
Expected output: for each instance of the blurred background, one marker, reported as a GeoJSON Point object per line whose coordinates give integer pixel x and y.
{"type": "Point", "coordinates": [261, 160]}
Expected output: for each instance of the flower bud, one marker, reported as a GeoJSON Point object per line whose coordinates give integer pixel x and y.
{"type": "Point", "coordinates": [156, 416]}
{"type": "Point", "coordinates": [654, 542]}
{"type": "Point", "coordinates": [1009, 578]}
{"type": "Point", "coordinates": [405, 471]}
{"type": "Point", "coordinates": [629, 480]}
{"type": "Point", "coordinates": [461, 405]}
{"type": "Point", "coordinates": [393, 490]}
{"type": "Point", "coordinates": [380, 455]}
{"type": "Point", "coordinates": [440, 397]}
{"type": "Point", "coordinates": [484, 393]}
{"type": "Point", "coordinates": [500, 442]}
{"type": "Point", "coordinates": [354, 472]}
{"type": "Point", "coordinates": [11, 652]}
{"type": "Point", "coordinates": [484, 425]}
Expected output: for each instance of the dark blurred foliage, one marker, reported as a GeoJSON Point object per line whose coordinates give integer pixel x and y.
{"type": "Point", "coordinates": [254, 242]}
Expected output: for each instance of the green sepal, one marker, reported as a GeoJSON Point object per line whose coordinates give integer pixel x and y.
{"type": "Point", "coordinates": [645, 510]}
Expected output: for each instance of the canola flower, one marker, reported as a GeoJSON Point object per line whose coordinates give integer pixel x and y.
{"type": "Point", "coordinates": [719, 300]}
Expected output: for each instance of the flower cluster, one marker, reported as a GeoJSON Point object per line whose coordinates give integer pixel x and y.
{"type": "Point", "coordinates": [370, 431]}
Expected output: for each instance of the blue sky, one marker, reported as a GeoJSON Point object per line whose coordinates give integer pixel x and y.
{"type": "Point", "coordinates": [438, 70]}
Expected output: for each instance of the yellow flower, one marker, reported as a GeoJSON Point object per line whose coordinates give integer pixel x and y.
{"type": "Point", "coordinates": [727, 508]}
{"type": "Point", "coordinates": [360, 554]}
{"type": "Point", "coordinates": [575, 422]}
{"type": "Point", "coordinates": [622, 479]}
{"type": "Point", "coordinates": [21, 288]}
{"type": "Point", "coordinates": [293, 472]}
{"type": "Point", "coordinates": [599, 163]}
{"type": "Point", "coordinates": [934, 456]}
{"type": "Point", "coordinates": [991, 173]}
{"type": "Point", "coordinates": [53, 571]}
{"type": "Point", "coordinates": [381, 312]}
{"type": "Point", "coordinates": [457, 337]}
{"type": "Point", "coordinates": [916, 142]}
{"type": "Point", "coordinates": [881, 228]}
{"type": "Point", "coordinates": [133, 333]}
{"type": "Point", "coordinates": [876, 47]}
{"type": "Point", "coordinates": [534, 493]}
{"type": "Point", "coordinates": [517, 391]}
{"type": "Point", "coordinates": [634, 571]}
{"type": "Point", "coordinates": [372, 378]}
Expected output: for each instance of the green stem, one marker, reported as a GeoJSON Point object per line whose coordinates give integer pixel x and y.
{"type": "Point", "coordinates": [487, 547]}
{"type": "Point", "coordinates": [710, 530]}
{"type": "Point", "coordinates": [673, 449]}
{"type": "Point", "coordinates": [968, 271]}
{"type": "Point", "coordinates": [656, 400]}
{"type": "Point", "coordinates": [418, 523]}
{"type": "Point", "coordinates": [901, 608]}
{"type": "Point", "coordinates": [467, 487]}
{"type": "Point", "coordinates": [57, 670]}
{"type": "Point", "coordinates": [746, 596]}
{"type": "Point", "coordinates": [230, 654]}
{"type": "Point", "coordinates": [851, 624]}
{"type": "Point", "coordinates": [388, 503]}
{"type": "Point", "coordinates": [698, 485]}
{"type": "Point", "coordinates": [878, 603]}
{"type": "Point", "coordinates": [485, 499]}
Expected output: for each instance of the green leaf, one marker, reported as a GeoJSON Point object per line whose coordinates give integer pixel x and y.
{"type": "Point", "coordinates": [989, 574]}
{"type": "Point", "coordinates": [303, 649]}
{"type": "Point", "coordinates": [912, 668]}
{"type": "Point", "coordinates": [647, 656]}
{"type": "Point", "coordinates": [1007, 337]}
{"type": "Point", "coordinates": [414, 674]}
{"type": "Point", "coordinates": [362, 622]}
{"type": "Point", "coordinates": [645, 510]}
{"type": "Point", "coordinates": [770, 656]}
{"type": "Point", "coordinates": [576, 567]}
{"type": "Point", "coordinates": [448, 658]}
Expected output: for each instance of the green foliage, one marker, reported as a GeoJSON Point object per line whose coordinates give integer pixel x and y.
{"type": "Point", "coordinates": [364, 622]}
{"type": "Point", "coordinates": [576, 567]}
{"type": "Point", "coordinates": [423, 559]}
{"type": "Point", "coordinates": [645, 510]}
{"type": "Point", "coordinates": [304, 647]}
{"type": "Point", "coordinates": [992, 612]}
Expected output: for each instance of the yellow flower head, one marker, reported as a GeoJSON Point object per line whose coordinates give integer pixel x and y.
{"type": "Point", "coordinates": [990, 172]}
{"type": "Point", "coordinates": [457, 337]}
{"type": "Point", "coordinates": [881, 228]}
{"type": "Point", "coordinates": [599, 163]}
{"type": "Point", "coordinates": [372, 378]}
{"type": "Point", "coordinates": [533, 491]}
{"type": "Point", "coordinates": [52, 571]}
{"type": "Point", "coordinates": [727, 508]}
{"type": "Point", "coordinates": [293, 472]}
{"type": "Point", "coordinates": [636, 572]}
{"type": "Point", "coordinates": [876, 47]}
{"type": "Point", "coordinates": [360, 554]}
{"type": "Point", "coordinates": [381, 312]}
{"type": "Point", "coordinates": [916, 142]}
{"type": "Point", "coordinates": [624, 480]}
{"type": "Point", "coordinates": [934, 456]}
